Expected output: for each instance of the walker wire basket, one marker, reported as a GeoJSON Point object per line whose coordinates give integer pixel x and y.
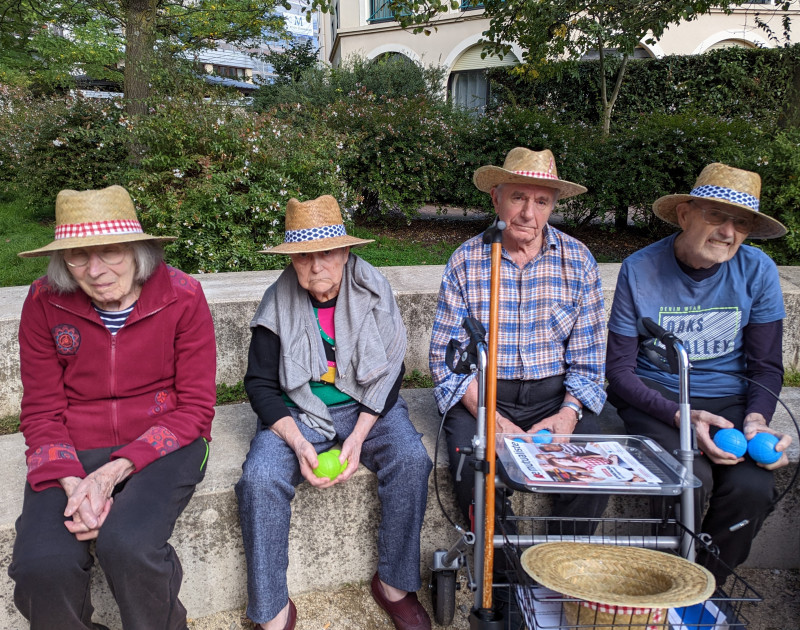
{"type": "Point", "coordinates": [544, 609]}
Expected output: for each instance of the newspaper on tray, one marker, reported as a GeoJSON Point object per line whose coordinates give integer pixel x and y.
{"type": "Point", "coordinates": [579, 463]}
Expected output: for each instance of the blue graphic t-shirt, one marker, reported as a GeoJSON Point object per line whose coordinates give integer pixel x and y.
{"type": "Point", "coordinates": [707, 315]}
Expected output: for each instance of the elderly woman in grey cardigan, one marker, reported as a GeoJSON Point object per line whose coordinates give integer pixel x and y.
{"type": "Point", "coordinates": [325, 366]}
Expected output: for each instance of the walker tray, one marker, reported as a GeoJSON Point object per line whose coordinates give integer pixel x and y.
{"type": "Point", "coordinates": [618, 464]}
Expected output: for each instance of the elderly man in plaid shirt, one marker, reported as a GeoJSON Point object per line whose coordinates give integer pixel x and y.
{"type": "Point", "coordinates": [550, 363]}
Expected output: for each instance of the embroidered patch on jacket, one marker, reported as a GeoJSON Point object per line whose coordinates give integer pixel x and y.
{"type": "Point", "coordinates": [161, 404]}
{"type": "Point", "coordinates": [67, 338]}
{"type": "Point", "coordinates": [182, 280]}
{"type": "Point", "coordinates": [161, 439]}
{"type": "Point", "coordinates": [50, 453]}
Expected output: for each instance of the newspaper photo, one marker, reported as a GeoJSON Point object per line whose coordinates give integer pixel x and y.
{"type": "Point", "coordinates": [579, 463]}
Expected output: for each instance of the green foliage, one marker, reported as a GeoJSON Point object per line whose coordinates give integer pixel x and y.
{"type": "Point", "coordinates": [416, 379]}
{"type": "Point", "coordinates": [547, 31]}
{"type": "Point", "coordinates": [100, 33]}
{"type": "Point", "coordinates": [386, 78]}
{"type": "Point", "coordinates": [395, 149]}
{"type": "Point", "coordinates": [231, 394]}
{"type": "Point", "coordinates": [389, 252]}
{"type": "Point", "coordinates": [395, 131]}
{"type": "Point", "coordinates": [219, 177]}
{"type": "Point", "coordinates": [779, 165]}
{"type": "Point", "coordinates": [48, 144]}
{"type": "Point", "coordinates": [791, 378]}
{"type": "Point", "coordinates": [292, 60]}
{"type": "Point", "coordinates": [756, 84]}
{"type": "Point", "coordinates": [21, 232]}
{"type": "Point", "coordinates": [661, 154]}
{"type": "Point", "coordinates": [9, 425]}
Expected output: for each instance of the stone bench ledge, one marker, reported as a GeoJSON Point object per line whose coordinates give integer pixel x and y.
{"type": "Point", "coordinates": [332, 541]}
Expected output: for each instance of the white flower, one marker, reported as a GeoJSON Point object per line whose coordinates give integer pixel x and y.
{"type": "Point", "coordinates": [57, 142]}
{"type": "Point", "coordinates": [177, 172]}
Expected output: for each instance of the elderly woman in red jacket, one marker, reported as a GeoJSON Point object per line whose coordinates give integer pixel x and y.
{"type": "Point", "coordinates": [118, 364]}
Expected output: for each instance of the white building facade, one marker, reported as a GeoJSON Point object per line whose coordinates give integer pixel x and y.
{"type": "Point", "coordinates": [367, 28]}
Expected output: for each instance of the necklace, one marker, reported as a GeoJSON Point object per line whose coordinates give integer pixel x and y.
{"type": "Point", "coordinates": [324, 335]}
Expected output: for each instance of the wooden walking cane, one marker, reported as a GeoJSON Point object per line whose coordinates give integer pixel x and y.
{"type": "Point", "coordinates": [491, 407]}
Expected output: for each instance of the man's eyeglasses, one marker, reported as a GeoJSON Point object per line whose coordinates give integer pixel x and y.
{"type": "Point", "coordinates": [109, 254]}
{"type": "Point", "coordinates": [713, 216]}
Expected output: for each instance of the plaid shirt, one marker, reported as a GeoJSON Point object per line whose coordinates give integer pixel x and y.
{"type": "Point", "coordinates": [552, 319]}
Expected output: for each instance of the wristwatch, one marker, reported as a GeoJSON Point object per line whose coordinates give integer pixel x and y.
{"type": "Point", "coordinates": [576, 408]}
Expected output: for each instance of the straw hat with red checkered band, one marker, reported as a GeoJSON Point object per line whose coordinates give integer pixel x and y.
{"type": "Point", "coordinates": [94, 217]}
{"type": "Point", "coordinates": [523, 166]}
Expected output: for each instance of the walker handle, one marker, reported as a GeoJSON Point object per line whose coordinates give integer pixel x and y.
{"type": "Point", "coordinates": [646, 327]}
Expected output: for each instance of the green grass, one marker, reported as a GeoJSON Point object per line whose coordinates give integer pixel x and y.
{"type": "Point", "coordinates": [416, 379]}
{"type": "Point", "coordinates": [230, 394]}
{"type": "Point", "coordinates": [9, 425]}
{"type": "Point", "coordinates": [791, 378]}
{"type": "Point", "coordinates": [389, 252]}
{"type": "Point", "coordinates": [20, 232]}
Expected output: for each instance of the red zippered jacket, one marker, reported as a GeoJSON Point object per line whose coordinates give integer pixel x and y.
{"type": "Point", "coordinates": [150, 389]}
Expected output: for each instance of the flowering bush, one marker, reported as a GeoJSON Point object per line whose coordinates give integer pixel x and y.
{"type": "Point", "coordinates": [48, 144]}
{"type": "Point", "coordinates": [396, 151]}
{"type": "Point", "coordinates": [219, 177]}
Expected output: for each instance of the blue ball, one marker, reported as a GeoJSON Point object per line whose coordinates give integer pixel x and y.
{"type": "Point", "coordinates": [731, 441]}
{"type": "Point", "coordinates": [542, 437]}
{"type": "Point", "coordinates": [762, 448]}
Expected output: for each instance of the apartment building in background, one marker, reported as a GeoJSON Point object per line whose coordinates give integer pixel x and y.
{"type": "Point", "coordinates": [244, 68]}
{"type": "Point", "coordinates": [368, 28]}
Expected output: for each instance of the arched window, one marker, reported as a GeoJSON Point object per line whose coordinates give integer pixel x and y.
{"type": "Point", "coordinates": [467, 85]}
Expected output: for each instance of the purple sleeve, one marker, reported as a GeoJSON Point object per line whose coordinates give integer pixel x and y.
{"type": "Point", "coordinates": [261, 380]}
{"type": "Point", "coordinates": [624, 383]}
{"type": "Point", "coordinates": [763, 347]}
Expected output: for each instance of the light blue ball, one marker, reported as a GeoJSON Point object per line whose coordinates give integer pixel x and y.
{"type": "Point", "coordinates": [542, 437]}
{"type": "Point", "coordinates": [731, 441]}
{"type": "Point", "coordinates": [762, 448]}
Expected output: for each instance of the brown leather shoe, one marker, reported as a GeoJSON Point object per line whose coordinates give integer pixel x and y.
{"type": "Point", "coordinates": [406, 614]}
{"type": "Point", "coordinates": [291, 620]}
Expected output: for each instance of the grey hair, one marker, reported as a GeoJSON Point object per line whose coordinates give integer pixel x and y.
{"type": "Point", "coordinates": [147, 256]}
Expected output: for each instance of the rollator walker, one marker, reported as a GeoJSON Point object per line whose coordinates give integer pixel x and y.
{"type": "Point", "coordinates": [670, 535]}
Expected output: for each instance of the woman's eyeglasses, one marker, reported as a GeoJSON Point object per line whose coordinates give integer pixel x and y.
{"type": "Point", "coordinates": [109, 254]}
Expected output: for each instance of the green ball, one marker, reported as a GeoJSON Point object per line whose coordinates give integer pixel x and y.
{"type": "Point", "coordinates": [329, 465]}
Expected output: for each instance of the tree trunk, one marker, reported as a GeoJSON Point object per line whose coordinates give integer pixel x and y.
{"type": "Point", "coordinates": [140, 38]}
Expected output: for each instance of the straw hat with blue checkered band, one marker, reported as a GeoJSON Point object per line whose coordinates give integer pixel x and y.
{"type": "Point", "coordinates": [728, 187]}
{"type": "Point", "coordinates": [314, 226]}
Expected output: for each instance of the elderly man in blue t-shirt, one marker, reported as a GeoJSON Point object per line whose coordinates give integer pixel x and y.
{"type": "Point", "coordinates": [723, 300]}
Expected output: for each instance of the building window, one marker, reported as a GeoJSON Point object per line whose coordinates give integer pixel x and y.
{"type": "Point", "coordinates": [381, 12]}
{"type": "Point", "coordinates": [469, 89]}
{"type": "Point", "coordinates": [466, 5]}
{"type": "Point", "coordinates": [229, 71]}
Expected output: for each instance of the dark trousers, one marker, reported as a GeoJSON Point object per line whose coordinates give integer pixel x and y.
{"type": "Point", "coordinates": [51, 567]}
{"type": "Point", "coordinates": [524, 403]}
{"type": "Point", "coordinates": [738, 497]}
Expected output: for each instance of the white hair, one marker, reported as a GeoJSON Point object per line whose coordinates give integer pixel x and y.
{"type": "Point", "coordinates": [147, 255]}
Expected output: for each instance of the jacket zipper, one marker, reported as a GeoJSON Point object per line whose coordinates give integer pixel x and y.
{"type": "Point", "coordinates": [114, 415]}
